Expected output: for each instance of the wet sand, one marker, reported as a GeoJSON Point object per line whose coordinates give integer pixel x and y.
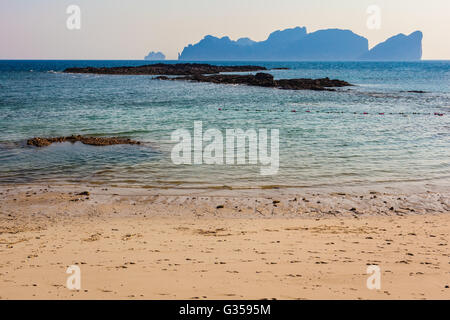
{"type": "Point", "coordinates": [223, 244]}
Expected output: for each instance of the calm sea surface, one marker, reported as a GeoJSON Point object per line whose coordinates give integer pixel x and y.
{"type": "Point", "coordinates": [374, 132]}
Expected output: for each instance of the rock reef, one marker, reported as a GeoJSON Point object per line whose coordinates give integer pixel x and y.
{"type": "Point", "coordinates": [178, 69]}
{"type": "Point", "coordinates": [265, 80]}
{"type": "Point", "coordinates": [93, 141]}
{"type": "Point", "coordinates": [210, 73]}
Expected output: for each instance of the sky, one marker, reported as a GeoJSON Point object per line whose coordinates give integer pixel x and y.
{"type": "Point", "coordinates": [129, 29]}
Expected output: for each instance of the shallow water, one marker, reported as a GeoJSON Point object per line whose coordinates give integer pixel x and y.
{"type": "Point", "coordinates": [334, 143]}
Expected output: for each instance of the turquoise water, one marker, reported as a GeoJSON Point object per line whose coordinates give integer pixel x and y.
{"type": "Point", "coordinates": [334, 143]}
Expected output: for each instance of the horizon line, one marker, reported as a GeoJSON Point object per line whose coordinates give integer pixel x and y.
{"type": "Point", "coordinates": [230, 60]}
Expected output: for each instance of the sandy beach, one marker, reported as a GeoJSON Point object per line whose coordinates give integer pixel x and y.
{"type": "Point", "coordinates": [199, 156]}
{"type": "Point", "coordinates": [223, 244]}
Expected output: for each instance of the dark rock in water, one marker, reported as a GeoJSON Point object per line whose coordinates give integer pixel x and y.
{"type": "Point", "coordinates": [93, 141]}
{"type": "Point", "coordinates": [265, 80]}
{"type": "Point", "coordinates": [260, 79]}
{"type": "Point", "coordinates": [211, 73]}
{"type": "Point", "coordinates": [311, 84]}
{"type": "Point", "coordinates": [166, 69]}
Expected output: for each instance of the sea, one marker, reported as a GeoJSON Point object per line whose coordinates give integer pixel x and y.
{"type": "Point", "coordinates": [391, 126]}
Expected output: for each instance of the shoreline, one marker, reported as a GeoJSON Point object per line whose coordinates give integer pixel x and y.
{"type": "Point", "coordinates": [344, 201]}
{"type": "Point", "coordinates": [218, 245]}
{"type": "Point", "coordinates": [387, 188]}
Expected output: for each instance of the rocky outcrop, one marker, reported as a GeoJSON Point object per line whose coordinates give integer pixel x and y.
{"type": "Point", "coordinates": [93, 141]}
{"type": "Point", "coordinates": [311, 84]}
{"type": "Point", "coordinates": [265, 80]}
{"type": "Point", "coordinates": [166, 69]}
{"type": "Point", "coordinates": [214, 74]}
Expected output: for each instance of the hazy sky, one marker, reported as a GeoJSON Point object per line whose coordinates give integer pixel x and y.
{"type": "Point", "coordinates": [129, 29]}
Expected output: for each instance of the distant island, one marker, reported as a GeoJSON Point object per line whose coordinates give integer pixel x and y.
{"type": "Point", "coordinates": [397, 48]}
{"type": "Point", "coordinates": [297, 44]}
{"type": "Point", "coordinates": [155, 56]}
